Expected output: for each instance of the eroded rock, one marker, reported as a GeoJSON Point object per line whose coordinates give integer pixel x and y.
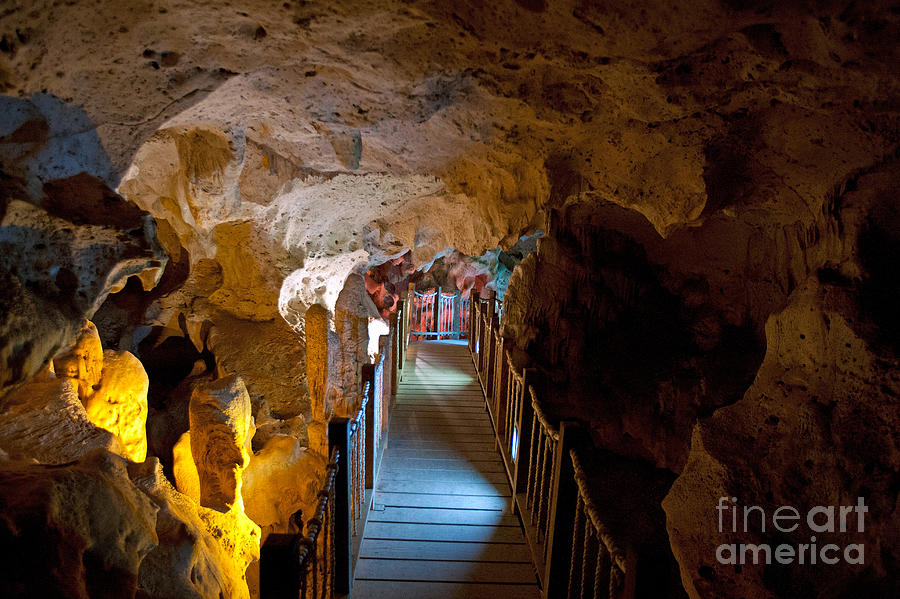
{"type": "Point", "coordinates": [815, 429]}
{"type": "Point", "coordinates": [221, 430]}
{"type": "Point", "coordinates": [202, 553]}
{"type": "Point", "coordinates": [76, 530]}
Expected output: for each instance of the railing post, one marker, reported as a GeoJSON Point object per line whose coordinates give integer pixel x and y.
{"type": "Point", "coordinates": [523, 439]}
{"type": "Point", "coordinates": [437, 312]}
{"type": "Point", "coordinates": [457, 316]}
{"type": "Point", "coordinates": [368, 385]}
{"type": "Point", "coordinates": [395, 354]}
{"type": "Point", "coordinates": [563, 500]}
{"type": "Point", "coordinates": [491, 358]}
{"type": "Point", "coordinates": [501, 381]}
{"type": "Point", "coordinates": [473, 302]}
{"type": "Point", "coordinates": [339, 436]}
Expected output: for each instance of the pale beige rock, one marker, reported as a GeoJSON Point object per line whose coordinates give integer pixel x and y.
{"type": "Point", "coordinates": [221, 428]}
{"type": "Point", "coordinates": [348, 346]}
{"type": "Point", "coordinates": [814, 424]}
{"type": "Point", "coordinates": [317, 358]}
{"type": "Point", "coordinates": [77, 530]}
{"type": "Point", "coordinates": [269, 356]}
{"type": "Point", "coordinates": [56, 272]}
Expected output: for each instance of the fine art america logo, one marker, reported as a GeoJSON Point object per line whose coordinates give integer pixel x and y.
{"type": "Point", "coordinates": [787, 519]}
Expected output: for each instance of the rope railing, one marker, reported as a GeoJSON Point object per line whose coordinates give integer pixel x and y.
{"type": "Point", "coordinates": [312, 552]}
{"type": "Point", "coordinates": [599, 567]}
{"type": "Point", "coordinates": [542, 455]}
{"type": "Point", "coordinates": [358, 460]}
{"type": "Point", "coordinates": [573, 553]}
{"type": "Point", "coordinates": [317, 562]}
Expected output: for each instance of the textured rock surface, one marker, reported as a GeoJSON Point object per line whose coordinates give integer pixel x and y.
{"type": "Point", "coordinates": [83, 362]}
{"type": "Point", "coordinates": [282, 478]}
{"type": "Point", "coordinates": [77, 530]}
{"type": "Point", "coordinates": [44, 420]}
{"type": "Point", "coordinates": [57, 273]}
{"type": "Point", "coordinates": [817, 428]}
{"type": "Point", "coordinates": [202, 553]}
{"type": "Point", "coordinates": [221, 430]}
{"type": "Point", "coordinates": [112, 386]}
{"type": "Point", "coordinates": [119, 404]}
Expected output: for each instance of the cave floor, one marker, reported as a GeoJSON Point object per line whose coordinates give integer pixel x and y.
{"type": "Point", "coordinates": [441, 524]}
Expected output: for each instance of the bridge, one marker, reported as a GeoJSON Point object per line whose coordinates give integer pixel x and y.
{"type": "Point", "coordinates": [451, 481]}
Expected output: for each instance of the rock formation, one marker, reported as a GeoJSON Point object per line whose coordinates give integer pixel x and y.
{"type": "Point", "coordinates": [221, 430]}
{"type": "Point", "coordinates": [76, 530]}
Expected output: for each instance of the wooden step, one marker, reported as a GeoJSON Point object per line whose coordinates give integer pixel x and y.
{"type": "Point", "coordinates": [444, 571]}
{"type": "Point", "coordinates": [446, 488]}
{"type": "Point", "coordinates": [442, 516]}
{"type": "Point", "coordinates": [461, 502]}
{"type": "Point", "coordinates": [470, 533]}
{"type": "Point", "coordinates": [486, 552]}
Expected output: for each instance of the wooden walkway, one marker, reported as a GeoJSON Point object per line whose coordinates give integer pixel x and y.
{"type": "Point", "coordinates": [441, 525]}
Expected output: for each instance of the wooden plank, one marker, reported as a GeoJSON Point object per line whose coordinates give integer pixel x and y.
{"type": "Point", "coordinates": [443, 516]}
{"type": "Point", "coordinates": [432, 387]}
{"type": "Point", "coordinates": [445, 488]}
{"type": "Point", "coordinates": [470, 533]}
{"type": "Point", "coordinates": [408, 421]}
{"type": "Point", "coordinates": [473, 476]}
{"type": "Point", "coordinates": [446, 466]}
{"type": "Point", "coordinates": [392, 453]}
{"type": "Point", "coordinates": [455, 395]}
{"type": "Point", "coordinates": [440, 417]}
{"type": "Point", "coordinates": [460, 502]}
{"type": "Point", "coordinates": [483, 443]}
{"type": "Point", "coordinates": [443, 571]}
{"type": "Point", "coordinates": [444, 445]}
{"type": "Point", "coordinates": [392, 589]}
{"type": "Point", "coordinates": [445, 437]}
{"type": "Point", "coordinates": [483, 552]}
{"type": "Point", "coordinates": [441, 401]}
{"type": "Point", "coordinates": [473, 428]}
{"type": "Point", "coordinates": [437, 410]}
{"type": "Point", "coordinates": [438, 439]}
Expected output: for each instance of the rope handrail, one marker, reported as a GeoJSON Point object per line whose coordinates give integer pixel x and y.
{"type": "Point", "coordinates": [314, 524]}
{"type": "Point", "coordinates": [520, 378]}
{"type": "Point", "coordinates": [618, 554]}
{"type": "Point", "coordinates": [550, 429]}
{"type": "Point", "coordinates": [361, 413]}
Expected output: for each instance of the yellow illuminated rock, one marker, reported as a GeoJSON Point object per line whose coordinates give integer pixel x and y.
{"type": "Point", "coordinates": [186, 477]}
{"type": "Point", "coordinates": [221, 429]}
{"type": "Point", "coordinates": [281, 478]}
{"type": "Point", "coordinates": [119, 404]}
{"type": "Point", "coordinates": [202, 553]}
{"type": "Point", "coordinates": [84, 362]}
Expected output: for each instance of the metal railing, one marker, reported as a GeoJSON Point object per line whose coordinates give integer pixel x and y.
{"type": "Point", "coordinates": [303, 565]}
{"type": "Point", "coordinates": [317, 562]}
{"type": "Point", "coordinates": [437, 314]}
{"type": "Point", "coordinates": [317, 546]}
{"type": "Point", "coordinates": [358, 460]}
